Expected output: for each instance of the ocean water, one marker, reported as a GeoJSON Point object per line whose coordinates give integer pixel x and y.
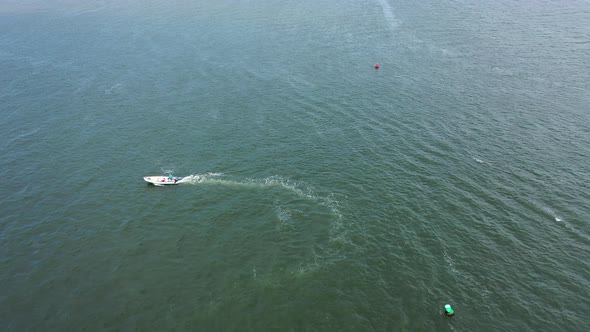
{"type": "Point", "coordinates": [319, 194]}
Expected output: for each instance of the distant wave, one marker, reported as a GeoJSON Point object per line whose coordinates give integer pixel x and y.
{"type": "Point", "coordinates": [12, 140]}
{"type": "Point", "coordinates": [86, 11]}
{"type": "Point", "coordinates": [114, 88]}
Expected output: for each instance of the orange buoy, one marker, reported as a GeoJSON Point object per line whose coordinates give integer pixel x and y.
{"type": "Point", "coordinates": [376, 66]}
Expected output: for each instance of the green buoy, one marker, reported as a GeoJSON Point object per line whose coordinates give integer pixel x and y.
{"type": "Point", "coordinates": [448, 310]}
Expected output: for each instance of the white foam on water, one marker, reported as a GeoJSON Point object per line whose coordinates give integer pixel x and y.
{"type": "Point", "coordinates": [298, 188]}
{"type": "Point", "coordinates": [306, 192]}
{"type": "Point", "coordinates": [306, 268]}
{"type": "Point", "coordinates": [556, 217]}
{"type": "Point", "coordinates": [113, 88]}
{"type": "Point", "coordinates": [388, 13]}
{"type": "Point", "coordinates": [273, 181]}
{"type": "Point", "coordinates": [27, 134]}
{"type": "Point", "coordinates": [284, 214]}
{"type": "Point", "coordinates": [338, 230]}
{"type": "Point", "coordinates": [552, 214]}
{"type": "Point", "coordinates": [565, 223]}
{"type": "Point", "coordinates": [279, 181]}
{"type": "Point", "coordinates": [571, 227]}
{"type": "Point", "coordinates": [200, 178]}
{"type": "Point", "coordinates": [21, 136]}
{"type": "Point", "coordinates": [450, 262]}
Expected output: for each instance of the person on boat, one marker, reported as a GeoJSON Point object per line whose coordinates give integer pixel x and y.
{"type": "Point", "coordinates": [170, 177]}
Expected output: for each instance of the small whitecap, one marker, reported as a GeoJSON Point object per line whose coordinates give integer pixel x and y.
{"type": "Point", "coordinates": [283, 214]}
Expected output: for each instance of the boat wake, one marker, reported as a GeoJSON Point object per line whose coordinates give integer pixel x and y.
{"type": "Point", "coordinates": [297, 211]}
{"type": "Point", "coordinates": [201, 178]}
{"type": "Point", "coordinates": [298, 188]}
{"type": "Point", "coordinates": [388, 13]}
{"type": "Point", "coordinates": [269, 182]}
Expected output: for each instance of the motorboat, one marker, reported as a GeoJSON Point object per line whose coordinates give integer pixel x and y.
{"type": "Point", "coordinates": [162, 180]}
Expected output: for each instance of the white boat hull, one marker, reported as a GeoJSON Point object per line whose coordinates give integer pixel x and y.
{"type": "Point", "coordinates": [159, 180]}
